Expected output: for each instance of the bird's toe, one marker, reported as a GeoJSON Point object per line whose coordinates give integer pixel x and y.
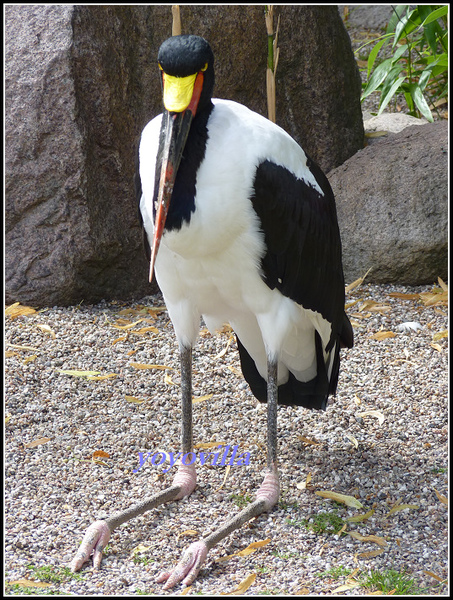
{"type": "Point", "coordinates": [95, 540]}
{"type": "Point", "coordinates": [188, 567]}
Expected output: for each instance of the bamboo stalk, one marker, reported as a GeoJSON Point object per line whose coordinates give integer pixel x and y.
{"type": "Point", "coordinates": [176, 27]}
{"type": "Point", "coordinates": [272, 61]}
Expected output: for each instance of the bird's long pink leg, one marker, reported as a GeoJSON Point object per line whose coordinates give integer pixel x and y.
{"type": "Point", "coordinates": [195, 555]}
{"type": "Point", "coordinates": [267, 496]}
{"type": "Point", "coordinates": [98, 533]}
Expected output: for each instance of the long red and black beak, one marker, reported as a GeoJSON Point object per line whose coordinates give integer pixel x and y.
{"type": "Point", "coordinates": [181, 98]}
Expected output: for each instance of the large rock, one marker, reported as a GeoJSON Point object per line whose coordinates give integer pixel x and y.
{"type": "Point", "coordinates": [81, 82]}
{"type": "Point", "coordinates": [72, 231]}
{"type": "Point", "coordinates": [368, 16]}
{"type": "Point", "coordinates": [392, 207]}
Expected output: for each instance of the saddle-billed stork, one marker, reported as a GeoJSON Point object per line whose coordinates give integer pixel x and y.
{"type": "Point", "coordinates": [240, 227]}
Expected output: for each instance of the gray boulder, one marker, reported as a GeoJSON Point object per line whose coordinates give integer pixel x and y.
{"type": "Point", "coordinates": [392, 207]}
{"type": "Point", "coordinates": [368, 16]}
{"type": "Point", "coordinates": [80, 84]}
{"type": "Point", "coordinates": [72, 231]}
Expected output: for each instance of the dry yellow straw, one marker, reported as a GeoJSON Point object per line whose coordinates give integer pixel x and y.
{"type": "Point", "coordinates": [272, 61]}
{"type": "Point", "coordinates": [176, 28]}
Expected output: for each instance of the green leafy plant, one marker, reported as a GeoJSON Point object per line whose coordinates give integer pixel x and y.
{"type": "Point", "coordinates": [418, 65]}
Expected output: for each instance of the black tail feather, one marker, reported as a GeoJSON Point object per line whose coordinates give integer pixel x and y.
{"type": "Point", "coordinates": [310, 394]}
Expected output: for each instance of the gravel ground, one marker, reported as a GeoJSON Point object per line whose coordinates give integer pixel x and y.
{"type": "Point", "coordinates": [388, 458]}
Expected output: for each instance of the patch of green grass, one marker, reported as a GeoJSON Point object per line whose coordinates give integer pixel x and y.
{"type": "Point", "coordinates": [385, 582]}
{"type": "Point", "coordinates": [52, 574]}
{"type": "Point", "coordinates": [391, 581]}
{"type": "Point", "coordinates": [263, 569]}
{"type": "Point", "coordinates": [19, 590]}
{"type": "Point", "coordinates": [439, 470]}
{"type": "Point", "coordinates": [241, 500]}
{"type": "Point", "coordinates": [47, 574]}
{"type": "Point", "coordinates": [320, 523]}
{"type": "Point", "coordinates": [284, 555]}
{"type": "Point", "coordinates": [335, 572]}
{"type": "Point", "coordinates": [296, 523]}
{"type": "Point", "coordinates": [143, 559]}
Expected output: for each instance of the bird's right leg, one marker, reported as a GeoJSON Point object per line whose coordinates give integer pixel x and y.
{"type": "Point", "coordinates": [266, 497]}
{"type": "Point", "coordinates": [98, 533]}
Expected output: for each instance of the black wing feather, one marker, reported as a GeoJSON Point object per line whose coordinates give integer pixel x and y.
{"type": "Point", "coordinates": [303, 261]}
{"type": "Point", "coordinates": [303, 246]}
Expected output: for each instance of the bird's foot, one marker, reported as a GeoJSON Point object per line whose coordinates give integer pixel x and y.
{"type": "Point", "coordinates": [95, 539]}
{"type": "Point", "coordinates": [98, 533]}
{"type": "Point", "coordinates": [192, 559]}
{"type": "Point", "coordinates": [270, 488]}
{"type": "Point", "coordinates": [186, 477]}
{"type": "Point", "coordinates": [188, 567]}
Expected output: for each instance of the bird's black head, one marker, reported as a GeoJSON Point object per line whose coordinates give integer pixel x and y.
{"type": "Point", "coordinates": [183, 56]}
{"type": "Point", "coordinates": [187, 67]}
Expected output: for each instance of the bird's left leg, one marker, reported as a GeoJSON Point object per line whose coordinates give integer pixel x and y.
{"type": "Point", "coordinates": [98, 533]}
{"type": "Point", "coordinates": [266, 497]}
